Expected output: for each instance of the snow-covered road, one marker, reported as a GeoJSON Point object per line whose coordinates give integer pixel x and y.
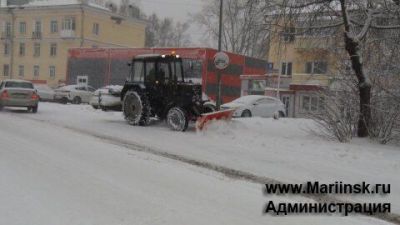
{"type": "Point", "coordinates": [51, 175]}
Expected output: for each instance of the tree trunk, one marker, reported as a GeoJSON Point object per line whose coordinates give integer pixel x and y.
{"type": "Point", "coordinates": [364, 86]}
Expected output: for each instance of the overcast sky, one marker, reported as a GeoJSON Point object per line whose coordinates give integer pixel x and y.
{"type": "Point", "coordinates": [179, 10]}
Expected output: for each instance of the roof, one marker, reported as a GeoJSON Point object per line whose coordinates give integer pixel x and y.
{"type": "Point", "coordinates": [94, 5]}
{"type": "Point", "coordinates": [36, 3]}
{"type": "Point", "coordinates": [152, 56]}
{"type": "Point", "coordinates": [147, 56]}
{"type": "Point", "coordinates": [16, 80]}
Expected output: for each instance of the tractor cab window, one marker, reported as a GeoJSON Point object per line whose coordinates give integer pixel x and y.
{"type": "Point", "coordinates": [177, 70]}
{"type": "Point", "coordinates": [138, 71]}
{"type": "Point", "coordinates": [150, 71]}
{"type": "Point", "coordinates": [164, 74]}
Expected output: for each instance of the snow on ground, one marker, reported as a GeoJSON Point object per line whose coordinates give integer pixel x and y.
{"type": "Point", "coordinates": [50, 175]}
{"type": "Point", "coordinates": [82, 180]}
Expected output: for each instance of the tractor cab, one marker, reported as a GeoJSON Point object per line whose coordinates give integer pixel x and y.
{"type": "Point", "coordinates": [157, 69]}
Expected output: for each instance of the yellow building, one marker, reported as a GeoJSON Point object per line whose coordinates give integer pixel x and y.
{"type": "Point", "coordinates": [304, 61]}
{"type": "Point", "coordinates": [34, 39]}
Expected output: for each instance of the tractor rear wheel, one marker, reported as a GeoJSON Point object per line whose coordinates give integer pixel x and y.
{"type": "Point", "coordinates": [136, 109]}
{"type": "Point", "coordinates": [177, 119]}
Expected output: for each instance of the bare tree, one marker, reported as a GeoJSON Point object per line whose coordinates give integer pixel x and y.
{"type": "Point", "coordinates": [243, 30]}
{"type": "Point", "coordinates": [111, 6]}
{"type": "Point", "coordinates": [356, 20]}
{"type": "Point", "coordinates": [166, 33]}
{"type": "Point", "coordinates": [181, 38]}
{"type": "Point", "coordinates": [129, 8]}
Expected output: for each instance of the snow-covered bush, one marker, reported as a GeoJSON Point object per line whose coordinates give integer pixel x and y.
{"type": "Point", "coordinates": [385, 124]}
{"type": "Point", "coordinates": [338, 115]}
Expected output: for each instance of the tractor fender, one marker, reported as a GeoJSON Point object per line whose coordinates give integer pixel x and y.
{"type": "Point", "coordinates": [132, 87]}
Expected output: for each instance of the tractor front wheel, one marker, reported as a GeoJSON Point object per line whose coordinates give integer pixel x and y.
{"type": "Point", "coordinates": [136, 109]}
{"type": "Point", "coordinates": [177, 119]}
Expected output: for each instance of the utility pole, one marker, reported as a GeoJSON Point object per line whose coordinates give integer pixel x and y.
{"type": "Point", "coordinates": [219, 74]}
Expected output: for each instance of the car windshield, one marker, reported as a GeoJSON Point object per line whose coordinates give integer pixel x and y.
{"type": "Point", "coordinates": [12, 84]}
{"type": "Point", "coordinates": [247, 99]}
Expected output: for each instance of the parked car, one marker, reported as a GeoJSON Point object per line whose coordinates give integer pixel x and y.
{"type": "Point", "coordinates": [76, 94]}
{"type": "Point", "coordinates": [18, 93]}
{"type": "Point", "coordinates": [256, 105]}
{"type": "Point", "coordinates": [45, 92]}
{"type": "Point", "coordinates": [107, 98]}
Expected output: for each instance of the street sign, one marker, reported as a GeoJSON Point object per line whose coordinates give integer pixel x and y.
{"type": "Point", "coordinates": [221, 60]}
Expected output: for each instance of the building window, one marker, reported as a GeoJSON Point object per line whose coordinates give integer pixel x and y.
{"type": "Point", "coordinates": [37, 30]}
{"type": "Point", "coordinates": [6, 70]}
{"type": "Point", "coordinates": [38, 26]}
{"type": "Point", "coordinates": [6, 48]}
{"type": "Point", "coordinates": [270, 66]}
{"type": "Point", "coordinates": [53, 26]}
{"type": "Point", "coordinates": [22, 27]}
{"type": "Point", "coordinates": [317, 67]}
{"type": "Point", "coordinates": [289, 34]}
{"type": "Point", "coordinates": [52, 72]}
{"type": "Point", "coordinates": [312, 103]}
{"type": "Point", "coordinates": [21, 49]}
{"type": "Point", "coordinates": [68, 23]}
{"type": "Point", "coordinates": [53, 49]}
{"type": "Point", "coordinates": [36, 69]}
{"type": "Point", "coordinates": [286, 68]}
{"type": "Point", "coordinates": [95, 29]}
{"type": "Point", "coordinates": [36, 49]}
{"type": "Point", "coordinates": [21, 70]}
{"type": "Point", "coordinates": [8, 29]}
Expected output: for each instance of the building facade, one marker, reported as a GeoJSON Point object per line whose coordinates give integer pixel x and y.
{"type": "Point", "coordinates": [35, 38]}
{"type": "Point", "coordinates": [300, 63]}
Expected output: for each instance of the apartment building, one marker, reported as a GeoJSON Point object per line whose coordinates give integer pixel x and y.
{"type": "Point", "coordinates": [35, 37]}
{"type": "Point", "coordinates": [300, 63]}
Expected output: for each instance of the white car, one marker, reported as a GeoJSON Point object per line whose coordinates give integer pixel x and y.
{"type": "Point", "coordinates": [256, 105]}
{"type": "Point", "coordinates": [76, 94]}
{"type": "Point", "coordinates": [45, 92]}
{"type": "Point", "coordinates": [107, 98]}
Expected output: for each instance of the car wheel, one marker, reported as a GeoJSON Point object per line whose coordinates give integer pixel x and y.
{"type": "Point", "coordinates": [177, 119]}
{"type": "Point", "coordinates": [1, 107]}
{"type": "Point", "coordinates": [103, 108]}
{"type": "Point", "coordinates": [136, 108]}
{"type": "Point", "coordinates": [246, 113]}
{"type": "Point", "coordinates": [77, 100]}
{"type": "Point", "coordinates": [35, 109]}
{"type": "Point", "coordinates": [281, 114]}
{"type": "Point", "coordinates": [64, 100]}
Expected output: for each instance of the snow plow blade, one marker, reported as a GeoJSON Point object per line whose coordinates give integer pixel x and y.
{"type": "Point", "coordinates": [206, 118]}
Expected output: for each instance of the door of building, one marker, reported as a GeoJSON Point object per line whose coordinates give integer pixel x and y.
{"type": "Point", "coordinates": [286, 102]}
